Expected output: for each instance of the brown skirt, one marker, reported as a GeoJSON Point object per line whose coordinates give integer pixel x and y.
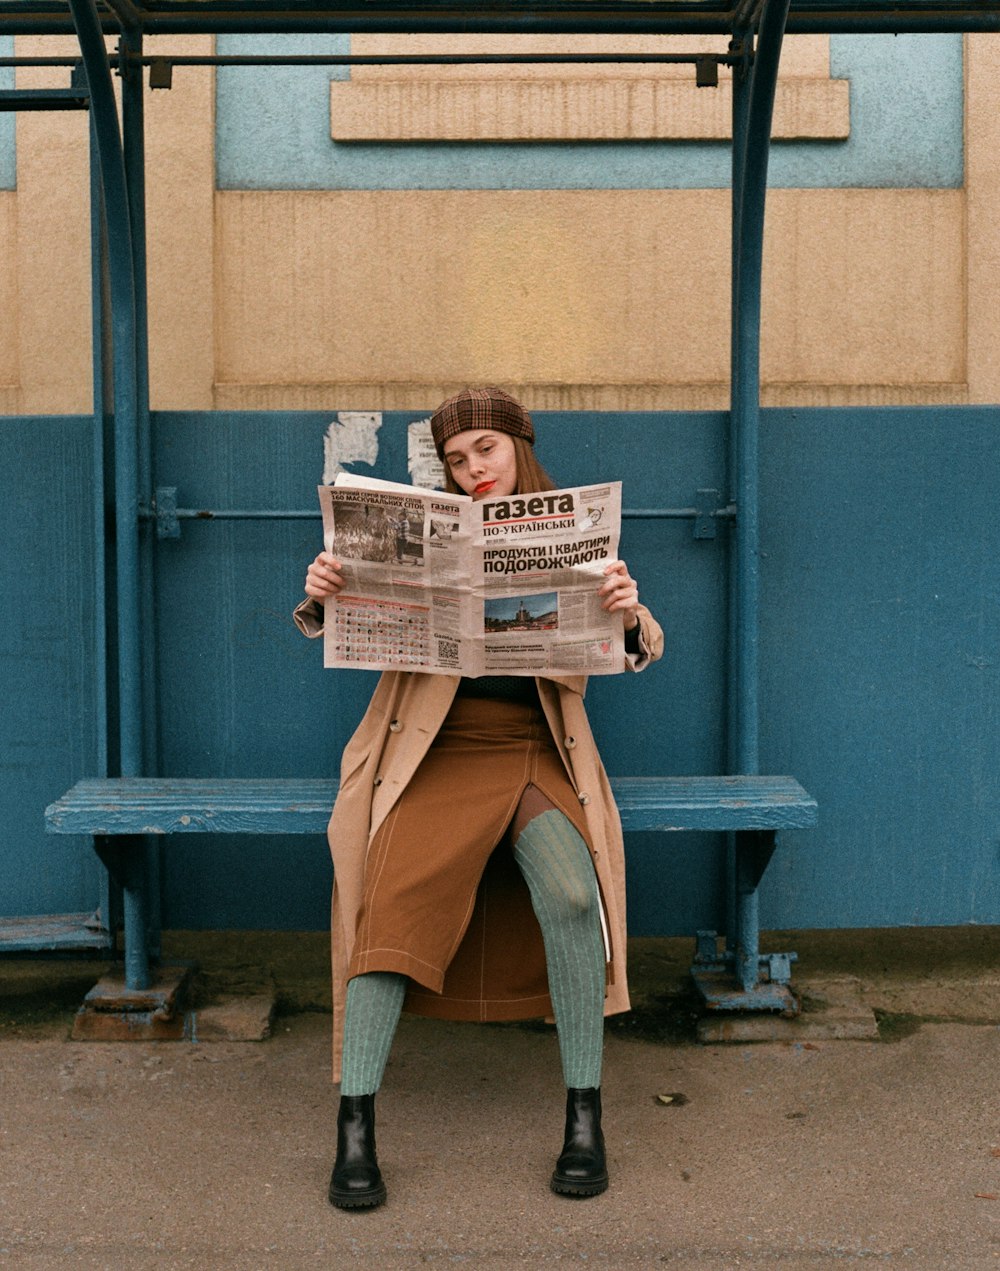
{"type": "Point", "coordinates": [444, 902]}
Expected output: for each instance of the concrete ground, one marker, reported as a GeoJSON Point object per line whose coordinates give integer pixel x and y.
{"type": "Point", "coordinates": [794, 1153]}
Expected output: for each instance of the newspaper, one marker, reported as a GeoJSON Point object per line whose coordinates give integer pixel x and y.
{"type": "Point", "coordinates": [441, 583]}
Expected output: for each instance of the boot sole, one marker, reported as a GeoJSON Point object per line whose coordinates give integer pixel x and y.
{"type": "Point", "coordinates": [358, 1200]}
{"type": "Point", "coordinates": [567, 1187]}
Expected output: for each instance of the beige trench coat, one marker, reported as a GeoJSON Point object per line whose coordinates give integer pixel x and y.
{"type": "Point", "coordinates": [403, 718]}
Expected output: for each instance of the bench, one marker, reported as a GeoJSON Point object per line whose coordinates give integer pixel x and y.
{"type": "Point", "coordinates": [752, 808]}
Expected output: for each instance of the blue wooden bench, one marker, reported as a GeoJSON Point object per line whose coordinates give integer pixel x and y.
{"type": "Point", "coordinates": [753, 809]}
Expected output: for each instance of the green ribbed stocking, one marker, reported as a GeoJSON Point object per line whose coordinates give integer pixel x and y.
{"type": "Point", "coordinates": [374, 1004]}
{"type": "Point", "coordinates": [557, 867]}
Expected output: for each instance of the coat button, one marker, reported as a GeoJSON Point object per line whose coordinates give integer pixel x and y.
{"type": "Point", "coordinates": [395, 726]}
{"type": "Point", "coordinates": [569, 742]}
{"type": "Point", "coordinates": [584, 799]}
{"type": "Point", "coordinates": [377, 781]}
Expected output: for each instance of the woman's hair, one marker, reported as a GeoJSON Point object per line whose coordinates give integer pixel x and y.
{"type": "Point", "coordinates": [531, 476]}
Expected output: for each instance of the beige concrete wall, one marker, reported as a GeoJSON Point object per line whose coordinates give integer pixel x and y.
{"type": "Point", "coordinates": [46, 361]}
{"type": "Point", "coordinates": [582, 298]}
{"type": "Point", "coordinates": [180, 163]}
{"type": "Point", "coordinates": [9, 361]}
{"type": "Point", "coordinates": [982, 146]}
{"type": "Point", "coordinates": [577, 298]}
{"type": "Point", "coordinates": [53, 246]}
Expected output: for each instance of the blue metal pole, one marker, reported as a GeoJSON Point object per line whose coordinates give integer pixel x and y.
{"type": "Point", "coordinates": [109, 902]}
{"type": "Point", "coordinates": [747, 269]}
{"type": "Point", "coordinates": [749, 210]}
{"type": "Point", "coordinates": [740, 106]}
{"type": "Point", "coordinates": [100, 361]}
{"type": "Point", "coordinates": [134, 149]}
{"type": "Point", "coordinates": [107, 134]}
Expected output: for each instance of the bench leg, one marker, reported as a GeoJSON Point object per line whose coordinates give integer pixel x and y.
{"type": "Point", "coordinates": [125, 858]}
{"type": "Point", "coordinates": [754, 849]}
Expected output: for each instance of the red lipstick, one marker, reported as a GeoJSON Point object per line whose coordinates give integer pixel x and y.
{"type": "Point", "coordinates": [484, 487]}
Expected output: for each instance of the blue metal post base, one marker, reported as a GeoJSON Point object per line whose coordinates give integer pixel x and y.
{"type": "Point", "coordinates": [741, 978]}
{"type": "Point", "coordinates": [715, 977]}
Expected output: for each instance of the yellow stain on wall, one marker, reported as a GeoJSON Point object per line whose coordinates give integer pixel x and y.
{"type": "Point", "coordinates": [430, 285]}
{"type": "Point", "coordinates": [584, 288]}
{"type": "Point", "coordinates": [526, 307]}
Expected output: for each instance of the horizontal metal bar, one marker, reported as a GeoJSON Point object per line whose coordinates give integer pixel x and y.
{"type": "Point", "coordinates": [686, 22]}
{"type": "Point", "coordinates": [432, 59]}
{"type": "Point", "coordinates": [44, 99]}
{"type": "Point", "coordinates": [675, 514]}
{"type": "Point", "coordinates": [589, 19]}
{"type": "Point", "coordinates": [680, 20]}
{"type": "Point", "coordinates": [304, 514]}
{"type": "Point", "coordinates": [244, 514]}
{"type": "Point", "coordinates": [390, 59]}
{"type": "Point", "coordinates": [43, 61]}
{"type": "Point", "coordinates": [911, 22]}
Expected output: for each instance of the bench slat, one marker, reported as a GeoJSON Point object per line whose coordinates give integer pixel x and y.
{"type": "Point", "coordinates": [178, 805]}
{"type": "Point", "coordinates": [51, 933]}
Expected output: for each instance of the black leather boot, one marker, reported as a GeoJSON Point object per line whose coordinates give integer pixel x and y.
{"type": "Point", "coordinates": [581, 1169]}
{"type": "Point", "coordinates": [356, 1182]}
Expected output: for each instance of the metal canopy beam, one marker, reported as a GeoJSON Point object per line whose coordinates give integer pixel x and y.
{"type": "Point", "coordinates": [636, 17]}
{"type": "Point", "coordinates": [121, 269]}
{"type": "Point", "coordinates": [751, 148]}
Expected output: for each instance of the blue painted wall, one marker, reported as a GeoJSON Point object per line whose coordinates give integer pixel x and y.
{"type": "Point", "coordinates": [881, 639]}
{"type": "Point", "coordinates": [880, 656]}
{"type": "Point", "coordinates": [47, 656]}
{"type": "Point", "coordinates": [273, 132]}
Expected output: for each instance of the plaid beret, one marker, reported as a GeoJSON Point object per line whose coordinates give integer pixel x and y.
{"type": "Point", "coordinates": [476, 408]}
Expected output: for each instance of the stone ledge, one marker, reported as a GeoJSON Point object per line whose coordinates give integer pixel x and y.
{"type": "Point", "coordinates": [407, 395]}
{"type": "Point", "coordinates": [833, 1010]}
{"type": "Point", "coordinates": [233, 1019]}
{"type": "Point", "coordinates": [574, 110]}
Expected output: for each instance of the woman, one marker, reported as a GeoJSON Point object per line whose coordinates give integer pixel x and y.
{"type": "Point", "coordinates": [441, 771]}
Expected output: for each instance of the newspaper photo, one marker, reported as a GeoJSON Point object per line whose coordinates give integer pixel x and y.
{"type": "Point", "coordinates": [440, 583]}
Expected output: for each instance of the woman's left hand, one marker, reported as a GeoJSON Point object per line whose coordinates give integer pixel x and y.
{"type": "Point", "coordinates": [619, 593]}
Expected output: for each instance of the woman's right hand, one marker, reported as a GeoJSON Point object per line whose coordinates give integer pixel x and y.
{"type": "Point", "coordinates": [323, 577]}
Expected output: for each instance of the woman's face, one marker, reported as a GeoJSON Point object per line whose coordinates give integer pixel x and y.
{"type": "Point", "coordinates": [482, 463]}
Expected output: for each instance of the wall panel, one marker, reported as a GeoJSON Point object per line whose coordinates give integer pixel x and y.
{"type": "Point", "coordinates": [47, 652]}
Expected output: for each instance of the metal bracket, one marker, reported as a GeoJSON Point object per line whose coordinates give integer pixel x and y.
{"type": "Point", "coordinates": [165, 511]}
{"type": "Point", "coordinates": [161, 73]}
{"type": "Point", "coordinates": [706, 948]}
{"type": "Point", "coordinates": [706, 72]}
{"type": "Point", "coordinates": [779, 966]}
{"type": "Point", "coordinates": [706, 505]}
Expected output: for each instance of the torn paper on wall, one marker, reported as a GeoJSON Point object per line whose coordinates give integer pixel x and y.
{"type": "Point", "coordinates": [351, 438]}
{"type": "Point", "coordinates": [422, 463]}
